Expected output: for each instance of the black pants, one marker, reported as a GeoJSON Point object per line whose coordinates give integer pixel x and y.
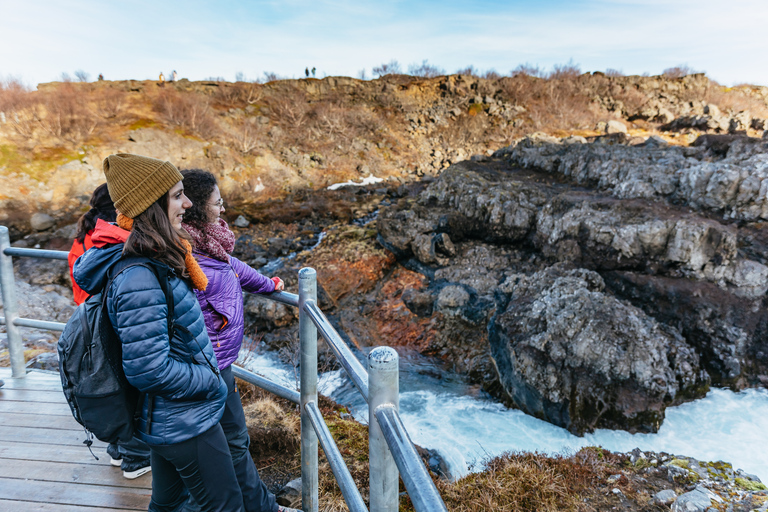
{"type": "Point", "coordinates": [256, 496]}
{"type": "Point", "coordinates": [201, 467]}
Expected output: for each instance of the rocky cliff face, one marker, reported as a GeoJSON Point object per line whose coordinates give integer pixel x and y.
{"type": "Point", "coordinates": [602, 299]}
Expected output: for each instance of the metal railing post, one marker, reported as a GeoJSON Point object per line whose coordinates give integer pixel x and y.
{"type": "Point", "coordinates": [11, 307]}
{"type": "Point", "coordinates": [308, 391]}
{"type": "Point", "coordinates": [384, 390]}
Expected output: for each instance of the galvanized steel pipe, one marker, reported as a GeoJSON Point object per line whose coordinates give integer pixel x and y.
{"type": "Point", "coordinates": [421, 488]}
{"type": "Point", "coordinates": [11, 307]}
{"type": "Point", "coordinates": [347, 485]}
{"type": "Point", "coordinates": [264, 383]}
{"type": "Point", "coordinates": [308, 380]}
{"type": "Point", "coordinates": [37, 253]}
{"type": "Point", "coordinates": [348, 361]}
{"type": "Point", "coordinates": [384, 389]}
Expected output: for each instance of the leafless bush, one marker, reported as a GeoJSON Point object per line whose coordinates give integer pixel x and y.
{"type": "Point", "coordinates": [565, 71]}
{"type": "Point", "coordinates": [270, 77]}
{"type": "Point", "coordinates": [187, 110]}
{"type": "Point", "coordinates": [613, 73]}
{"type": "Point", "coordinates": [552, 103]}
{"type": "Point", "coordinates": [468, 71]}
{"type": "Point", "coordinates": [737, 100]}
{"type": "Point", "coordinates": [290, 107]}
{"type": "Point", "coordinates": [527, 70]}
{"type": "Point", "coordinates": [109, 102]}
{"type": "Point", "coordinates": [491, 74]}
{"type": "Point", "coordinates": [361, 74]}
{"type": "Point", "coordinates": [245, 135]}
{"type": "Point", "coordinates": [679, 71]}
{"type": "Point", "coordinates": [81, 75]}
{"type": "Point", "coordinates": [425, 69]}
{"type": "Point", "coordinates": [67, 115]}
{"type": "Point", "coordinates": [390, 68]}
{"type": "Point", "coordinates": [18, 106]}
{"type": "Point", "coordinates": [239, 94]}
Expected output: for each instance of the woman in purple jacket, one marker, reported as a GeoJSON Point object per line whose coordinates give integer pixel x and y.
{"type": "Point", "coordinates": [222, 305]}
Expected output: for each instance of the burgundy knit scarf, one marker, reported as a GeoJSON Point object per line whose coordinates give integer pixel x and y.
{"type": "Point", "coordinates": [215, 239]}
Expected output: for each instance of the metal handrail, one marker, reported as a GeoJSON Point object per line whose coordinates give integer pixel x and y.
{"type": "Point", "coordinates": [390, 447]}
{"type": "Point", "coordinates": [348, 361]}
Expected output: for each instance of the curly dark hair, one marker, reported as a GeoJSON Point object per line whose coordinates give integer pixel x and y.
{"type": "Point", "coordinates": [102, 207]}
{"type": "Point", "coordinates": [198, 187]}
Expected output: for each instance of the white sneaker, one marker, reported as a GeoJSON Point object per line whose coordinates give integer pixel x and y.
{"type": "Point", "coordinates": [130, 475]}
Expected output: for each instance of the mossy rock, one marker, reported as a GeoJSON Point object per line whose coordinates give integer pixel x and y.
{"type": "Point", "coordinates": [750, 485]}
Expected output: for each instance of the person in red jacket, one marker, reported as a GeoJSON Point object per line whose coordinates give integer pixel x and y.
{"type": "Point", "coordinates": [95, 228]}
{"type": "Point", "coordinates": [103, 208]}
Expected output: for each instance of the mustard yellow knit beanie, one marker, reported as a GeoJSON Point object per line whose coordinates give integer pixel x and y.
{"type": "Point", "coordinates": [135, 182]}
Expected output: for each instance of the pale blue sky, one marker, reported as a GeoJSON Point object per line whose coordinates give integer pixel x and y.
{"type": "Point", "coordinates": [41, 39]}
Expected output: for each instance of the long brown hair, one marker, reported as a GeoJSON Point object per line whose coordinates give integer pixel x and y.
{"type": "Point", "coordinates": [154, 237]}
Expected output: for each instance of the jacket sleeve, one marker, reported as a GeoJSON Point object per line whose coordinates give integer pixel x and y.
{"type": "Point", "coordinates": [139, 314]}
{"type": "Point", "coordinates": [250, 279]}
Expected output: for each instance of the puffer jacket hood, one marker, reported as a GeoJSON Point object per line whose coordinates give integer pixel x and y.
{"type": "Point", "coordinates": [178, 372]}
{"type": "Point", "coordinates": [222, 302]}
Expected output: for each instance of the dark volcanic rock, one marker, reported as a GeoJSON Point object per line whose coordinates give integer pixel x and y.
{"type": "Point", "coordinates": [573, 355]}
{"type": "Point", "coordinates": [684, 291]}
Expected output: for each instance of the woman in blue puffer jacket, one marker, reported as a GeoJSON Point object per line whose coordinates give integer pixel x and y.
{"type": "Point", "coordinates": [178, 372]}
{"type": "Point", "coordinates": [222, 305]}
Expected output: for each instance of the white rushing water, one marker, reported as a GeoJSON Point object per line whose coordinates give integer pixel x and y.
{"type": "Point", "coordinates": [442, 415]}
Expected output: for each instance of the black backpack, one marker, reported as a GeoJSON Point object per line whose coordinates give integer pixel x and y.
{"type": "Point", "coordinates": [91, 364]}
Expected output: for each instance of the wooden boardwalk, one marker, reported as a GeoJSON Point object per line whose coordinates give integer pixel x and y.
{"type": "Point", "coordinates": [43, 462]}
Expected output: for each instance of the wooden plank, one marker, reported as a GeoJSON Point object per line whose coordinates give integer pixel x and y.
{"type": "Point", "coordinates": [69, 494]}
{"type": "Point", "coordinates": [28, 506]}
{"type": "Point", "coordinates": [33, 380]}
{"type": "Point", "coordinates": [49, 436]}
{"type": "Point", "coordinates": [33, 407]}
{"type": "Point", "coordinates": [10, 450]}
{"type": "Point", "coordinates": [71, 473]}
{"type": "Point", "coordinates": [32, 395]}
{"type": "Point", "coordinates": [39, 420]}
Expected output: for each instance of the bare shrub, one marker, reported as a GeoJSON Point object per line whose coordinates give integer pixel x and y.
{"type": "Point", "coordinates": [425, 69]}
{"type": "Point", "coordinates": [737, 99]}
{"type": "Point", "coordinates": [81, 75]}
{"type": "Point", "coordinates": [565, 71]}
{"type": "Point", "coordinates": [187, 110]}
{"type": "Point", "coordinates": [245, 135]}
{"type": "Point", "coordinates": [527, 70]}
{"type": "Point", "coordinates": [290, 107]}
{"type": "Point", "coordinates": [270, 77]}
{"type": "Point", "coordinates": [18, 106]}
{"type": "Point", "coordinates": [67, 115]}
{"type": "Point", "coordinates": [613, 73]}
{"type": "Point", "coordinates": [390, 68]}
{"type": "Point", "coordinates": [468, 71]}
{"type": "Point", "coordinates": [109, 103]}
{"type": "Point", "coordinates": [560, 103]}
{"type": "Point", "coordinates": [239, 94]}
{"type": "Point", "coordinates": [679, 71]}
{"type": "Point", "coordinates": [491, 74]}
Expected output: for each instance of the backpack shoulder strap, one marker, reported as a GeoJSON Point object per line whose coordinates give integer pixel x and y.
{"type": "Point", "coordinates": [160, 271]}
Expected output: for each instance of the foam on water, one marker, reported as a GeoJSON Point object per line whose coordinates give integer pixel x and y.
{"type": "Point", "coordinates": [464, 430]}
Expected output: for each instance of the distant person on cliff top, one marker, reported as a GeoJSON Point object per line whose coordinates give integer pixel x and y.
{"type": "Point", "coordinates": [306, 72]}
{"type": "Point", "coordinates": [133, 456]}
{"type": "Point", "coordinates": [313, 72]}
{"type": "Point", "coordinates": [161, 82]}
{"type": "Point", "coordinates": [174, 76]}
{"type": "Point", "coordinates": [101, 77]}
{"type": "Point", "coordinates": [222, 305]}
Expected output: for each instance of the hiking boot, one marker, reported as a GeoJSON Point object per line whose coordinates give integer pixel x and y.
{"type": "Point", "coordinates": [134, 468]}
{"type": "Point", "coordinates": [281, 508]}
{"type": "Point", "coordinates": [114, 455]}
